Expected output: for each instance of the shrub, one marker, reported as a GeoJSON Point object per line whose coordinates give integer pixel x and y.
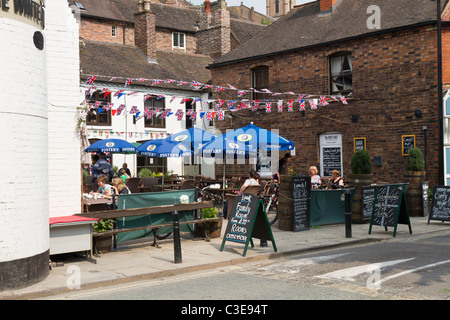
{"type": "Point", "coordinates": [415, 160]}
{"type": "Point", "coordinates": [360, 163]}
{"type": "Point", "coordinates": [145, 173]}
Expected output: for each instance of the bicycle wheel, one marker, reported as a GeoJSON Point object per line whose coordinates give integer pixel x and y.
{"type": "Point", "coordinates": [272, 211]}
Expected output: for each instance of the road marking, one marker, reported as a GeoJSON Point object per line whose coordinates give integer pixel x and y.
{"type": "Point", "coordinates": [411, 271]}
{"type": "Point", "coordinates": [349, 273]}
{"type": "Point", "coordinates": [294, 266]}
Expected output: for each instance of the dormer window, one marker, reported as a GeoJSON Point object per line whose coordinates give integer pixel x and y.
{"type": "Point", "coordinates": [178, 40]}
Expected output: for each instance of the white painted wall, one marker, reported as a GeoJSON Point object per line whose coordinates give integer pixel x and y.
{"type": "Point", "coordinates": [64, 96]}
{"type": "Point", "coordinates": [24, 158]}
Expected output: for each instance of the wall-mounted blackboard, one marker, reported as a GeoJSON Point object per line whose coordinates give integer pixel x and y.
{"type": "Point", "coordinates": [301, 202]}
{"type": "Point", "coordinates": [440, 206]}
{"type": "Point", "coordinates": [408, 142]}
{"type": "Point", "coordinates": [389, 208]}
{"type": "Point", "coordinates": [331, 160]}
{"type": "Point", "coordinates": [359, 144]}
{"type": "Point", "coordinates": [248, 219]}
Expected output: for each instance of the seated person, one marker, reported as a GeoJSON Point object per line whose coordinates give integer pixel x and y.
{"type": "Point", "coordinates": [123, 175]}
{"type": "Point", "coordinates": [253, 179]}
{"type": "Point", "coordinates": [336, 181]}
{"type": "Point", "coordinates": [119, 187]}
{"type": "Point", "coordinates": [315, 178]}
{"type": "Point", "coordinates": [103, 188]}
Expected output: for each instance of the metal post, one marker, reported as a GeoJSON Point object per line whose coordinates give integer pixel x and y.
{"type": "Point", "coordinates": [176, 237]}
{"type": "Point", "coordinates": [348, 214]}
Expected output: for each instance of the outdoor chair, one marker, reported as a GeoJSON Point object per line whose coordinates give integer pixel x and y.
{"type": "Point", "coordinates": [147, 184]}
{"type": "Point", "coordinates": [133, 184]}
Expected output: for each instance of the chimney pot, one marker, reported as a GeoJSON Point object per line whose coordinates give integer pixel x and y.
{"type": "Point", "coordinates": [207, 6]}
{"type": "Point", "coordinates": [328, 5]}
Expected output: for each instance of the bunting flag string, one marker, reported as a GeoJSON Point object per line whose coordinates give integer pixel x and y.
{"type": "Point", "coordinates": [217, 112]}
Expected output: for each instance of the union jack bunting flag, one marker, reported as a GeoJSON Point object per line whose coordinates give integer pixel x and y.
{"type": "Point", "coordinates": [344, 101]}
{"type": "Point", "coordinates": [108, 106]}
{"type": "Point", "coordinates": [242, 92]}
{"type": "Point", "coordinates": [323, 101]}
{"type": "Point", "coordinates": [312, 103]}
{"type": "Point", "coordinates": [165, 113]}
{"type": "Point", "coordinates": [189, 112]}
{"type": "Point", "coordinates": [207, 86]}
{"type": "Point", "coordinates": [90, 80]}
{"type": "Point", "coordinates": [193, 115]}
{"type": "Point", "coordinates": [268, 107]}
{"type": "Point", "coordinates": [231, 87]}
{"type": "Point", "coordinates": [300, 97]}
{"type": "Point", "coordinates": [255, 105]}
{"type": "Point", "coordinates": [195, 84]}
{"type": "Point", "coordinates": [334, 98]}
{"type": "Point", "coordinates": [97, 104]}
{"type": "Point", "coordinates": [147, 96]}
{"type": "Point", "coordinates": [220, 89]}
{"type": "Point", "coordinates": [117, 93]}
{"type": "Point", "coordinates": [156, 81]}
{"type": "Point", "coordinates": [290, 105]}
{"type": "Point", "coordinates": [173, 98]}
{"type": "Point", "coordinates": [133, 110]}
{"type": "Point", "coordinates": [220, 114]}
{"type": "Point", "coordinates": [120, 109]}
{"type": "Point", "coordinates": [230, 104]}
{"type": "Point", "coordinates": [209, 115]}
{"type": "Point", "coordinates": [113, 78]}
{"type": "Point", "coordinates": [180, 83]}
{"type": "Point", "coordinates": [266, 90]}
{"type": "Point", "coordinates": [302, 105]}
{"type": "Point", "coordinates": [179, 114]}
{"type": "Point", "coordinates": [289, 92]}
{"type": "Point", "coordinates": [280, 105]}
{"type": "Point", "coordinates": [170, 81]}
{"type": "Point", "coordinates": [148, 112]}
{"type": "Point", "coordinates": [220, 104]}
{"type": "Point", "coordinates": [128, 82]}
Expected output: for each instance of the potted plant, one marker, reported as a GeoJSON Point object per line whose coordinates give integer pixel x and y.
{"type": "Point", "coordinates": [145, 173]}
{"type": "Point", "coordinates": [213, 229]}
{"type": "Point", "coordinates": [103, 243]}
{"type": "Point", "coordinates": [360, 177]}
{"type": "Point", "coordinates": [415, 174]}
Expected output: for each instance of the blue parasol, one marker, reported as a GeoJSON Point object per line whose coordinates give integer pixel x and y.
{"type": "Point", "coordinates": [111, 145]}
{"type": "Point", "coordinates": [163, 148]}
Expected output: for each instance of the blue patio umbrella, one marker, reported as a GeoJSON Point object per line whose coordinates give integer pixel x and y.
{"type": "Point", "coordinates": [111, 145]}
{"type": "Point", "coordinates": [192, 137]}
{"type": "Point", "coordinates": [163, 148]}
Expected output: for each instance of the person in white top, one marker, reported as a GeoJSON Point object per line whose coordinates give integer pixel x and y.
{"type": "Point", "coordinates": [315, 178]}
{"type": "Point", "coordinates": [252, 180]}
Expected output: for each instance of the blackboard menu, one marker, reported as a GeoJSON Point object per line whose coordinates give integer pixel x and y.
{"type": "Point", "coordinates": [331, 160]}
{"type": "Point", "coordinates": [368, 197]}
{"type": "Point", "coordinates": [440, 206]}
{"type": "Point", "coordinates": [387, 201]}
{"type": "Point", "coordinates": [301, 202]}
{"type": "Point", "coordinates": [408, 142]}
{"type": "Point", "coordinates": [242, 218]}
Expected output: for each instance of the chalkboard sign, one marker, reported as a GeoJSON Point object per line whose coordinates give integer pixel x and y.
{"type": "Point", "coordinates": [389, 208]}
{"type": "Point", "coordinates": [301, 201]}
{"type": "Point", "coordinates": [425, 197]}
{"type": "Point", "coordinates": [440, 206]}
{"type": "Point", "coordinates": [359, 144]}
{"type": "Point", "coordinates": [368, 197]}
{"type": "Point", "coordinates": [331, 160]}
{"type": "Point", "coordinates": [248, 220]}
{"type": "Point", "coordinates": [408, 142]}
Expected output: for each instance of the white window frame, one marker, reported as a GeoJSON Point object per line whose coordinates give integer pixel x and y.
{"type": "Point", "coordinates": [176, 40]}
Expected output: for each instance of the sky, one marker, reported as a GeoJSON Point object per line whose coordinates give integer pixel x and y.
{"type": "Point", "coordinates": [259, 5]}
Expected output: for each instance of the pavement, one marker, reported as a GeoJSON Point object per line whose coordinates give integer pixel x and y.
{"type": "Point", "coordinates": [138, 260]}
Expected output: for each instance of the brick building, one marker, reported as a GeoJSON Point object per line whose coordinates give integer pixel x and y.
{"type": "Point", "coordinates": [382, 58]}
{"type": "Point", "coordinates": [132, 39]}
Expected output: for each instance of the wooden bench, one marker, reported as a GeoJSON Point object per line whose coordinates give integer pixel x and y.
{"type": "Point", "coordinates": [115, 214]}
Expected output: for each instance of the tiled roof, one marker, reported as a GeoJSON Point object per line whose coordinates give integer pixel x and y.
{"type": "Point", "coordinates": [306, 26]}
{"type": "Point", "coordinates": [106, 59]}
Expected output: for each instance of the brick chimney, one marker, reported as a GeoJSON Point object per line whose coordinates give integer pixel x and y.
{"type": "Point", "coordinates": [207, 6]}
{"type": "Point", "coordinates": [145, 30]}
{"type": "Point", "coordinates": [327, 6]}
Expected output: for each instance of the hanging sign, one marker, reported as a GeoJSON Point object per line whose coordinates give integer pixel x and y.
{"type": "Point", "coordinates": [408, 142]}
{"type": "Point", "coordinates": [248, 220]}
{"type": "Point", "coordinates": [389, 208]}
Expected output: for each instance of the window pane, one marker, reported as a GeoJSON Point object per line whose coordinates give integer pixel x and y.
{"type": "Point", "coordinates": [341, 77]}
{"type": "Point", "coordinates": [175, 39]}
{"type": "Point", "coordinates": [447, 160]}
{"type": "Point", "coordinates": [181, 40]}
{"type": "Point", "coordinates": [447, 107]}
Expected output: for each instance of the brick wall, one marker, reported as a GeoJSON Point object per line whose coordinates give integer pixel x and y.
{"type": "Point", "coordinates": [393, 75]}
